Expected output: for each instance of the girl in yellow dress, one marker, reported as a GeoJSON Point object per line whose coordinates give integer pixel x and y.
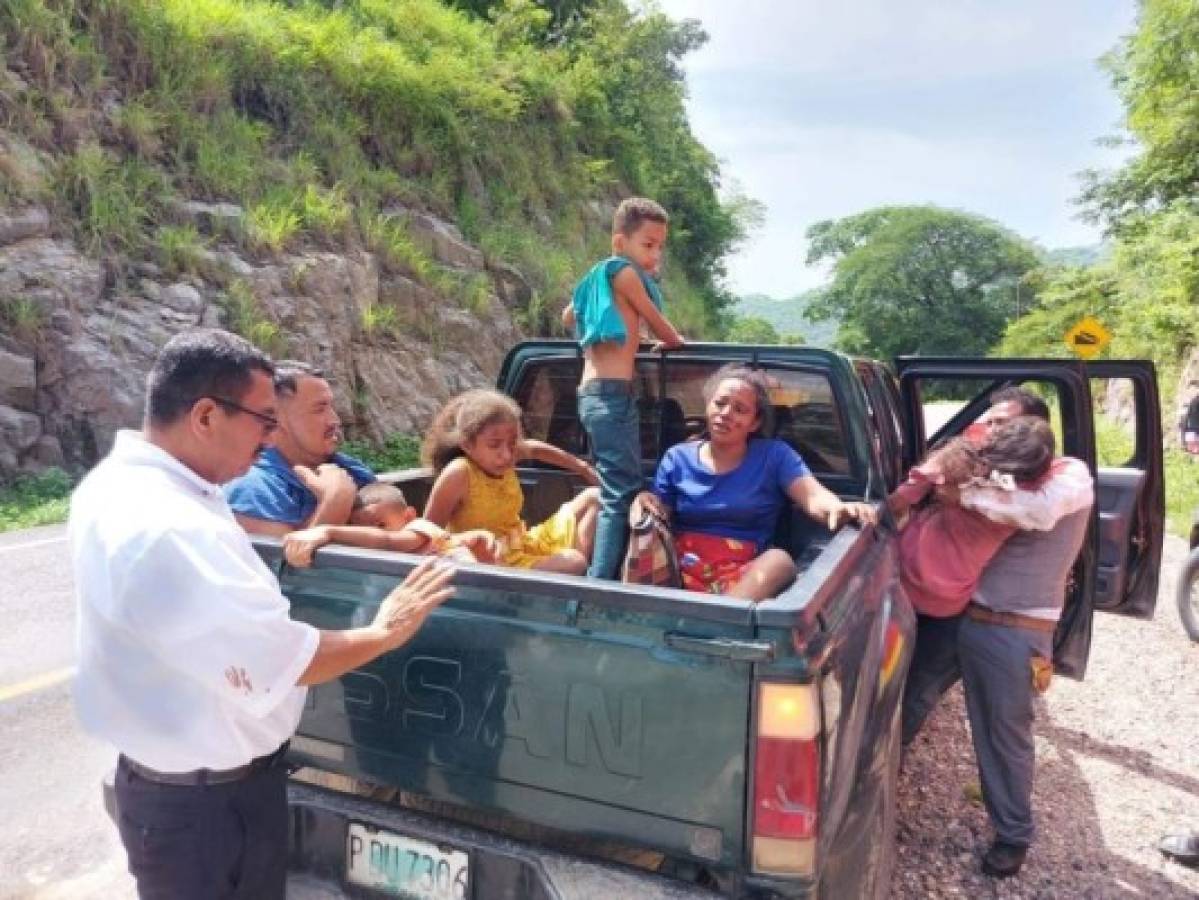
{"type": "Point", "coordinates": [473, 446]}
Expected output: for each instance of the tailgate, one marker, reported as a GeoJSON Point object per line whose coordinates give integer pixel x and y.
{"type": "Point", "coordinates": [585, 706]}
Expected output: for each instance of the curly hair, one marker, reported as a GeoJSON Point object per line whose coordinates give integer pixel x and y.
{"type": "Point", "coordinates": [958, 460]}
{"type": "Point", "coordinates": [461, 420]}
{"type": "Point", "coordinates": [757, 381]}
{"type": "Point", "coordinates": [1022, 447]}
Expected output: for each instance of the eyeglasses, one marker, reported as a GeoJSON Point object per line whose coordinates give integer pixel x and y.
{"type": "Point", "coordinates": [268, 423]}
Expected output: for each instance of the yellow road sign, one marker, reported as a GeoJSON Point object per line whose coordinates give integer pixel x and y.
{"type": "Point", "coordinates": [1088, 337]}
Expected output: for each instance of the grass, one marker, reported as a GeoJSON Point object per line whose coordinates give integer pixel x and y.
{"type": "Point", "coordinates": [21, 317]}
{"type": "Point", "coordinates": [32, 500]}
{"type": "Point", "coordinates": [380, 319]}
{"type": "Point", "coordinates": [315, 116]}
{"type": "Point", "coordinates": [272, 224]}
{"type": "Point", "coordinates": [399, 451]}
{"type": "Point", "coordinates": [180, 249]}
{"type": "Point", "coordinates": [1182, 491]}
{"type": "Point", "coordinates": [243, 316]}
{"type": "Point", "coordinates": [110, 201]}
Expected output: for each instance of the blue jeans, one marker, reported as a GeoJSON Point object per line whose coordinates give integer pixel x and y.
{"type": "Point", "coordinates": [608, 411]}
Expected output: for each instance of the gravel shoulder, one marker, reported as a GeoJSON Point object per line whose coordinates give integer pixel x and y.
{"type": "Point", "coordinates": [1117, 767]}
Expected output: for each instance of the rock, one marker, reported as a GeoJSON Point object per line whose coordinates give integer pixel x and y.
{"type": "Point", "coordinates": [214, 218]}
{"type": "Point", "coordinates": [11, 82]}
{"type": "Point", "coordinates": [47, 453]}
{"type": "Point", "coordinates": [222, 266]}
{"type": "Point", "coordinates": [18, 430]}
{"type": "Point", "coordinates": [1188, 387]}
{"type": "Point", "coordinates": [18, 380]}
{"type": "Point", "coordinates": [27, 223]}
{"type": "Point", "coordinates": [22, 164]}
{"type": "Point", "coordinates": [510, 285]}
{"type": "Point", "coordinates": [441, 239]}
{"type": "Point", "coordinates": [151, 290]}
{"type": "Point", "coordinates": [183, 298]}
{"type": "Point", "coordinates": [96, 341]}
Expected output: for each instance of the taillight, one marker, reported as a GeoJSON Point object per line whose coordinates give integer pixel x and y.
{"type": "Point", "coordinates": [786, 779]}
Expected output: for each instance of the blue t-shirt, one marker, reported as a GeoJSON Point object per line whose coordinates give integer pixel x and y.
{"type": "Point", "coordinates": [271, 491]}
{"type": "Point", "coordinates": [596, 317]}
{"type": "Point", "coordinates": [744, 503]}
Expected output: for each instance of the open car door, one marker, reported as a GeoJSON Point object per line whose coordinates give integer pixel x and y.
{"type": "Point", "coordinates": [1117, 570]}
{"type": "Point", "coordinates": [1131, 488]}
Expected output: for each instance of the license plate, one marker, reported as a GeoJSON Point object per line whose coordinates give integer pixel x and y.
{"type": "Point", "coordinates": [405, 866]}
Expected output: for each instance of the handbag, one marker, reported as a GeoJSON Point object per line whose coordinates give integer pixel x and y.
{"type": "Point", "coordinates": [651, 557]}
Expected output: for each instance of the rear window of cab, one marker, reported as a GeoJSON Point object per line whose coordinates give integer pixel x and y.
{"type": "Point", "coordinates": [671, 403]}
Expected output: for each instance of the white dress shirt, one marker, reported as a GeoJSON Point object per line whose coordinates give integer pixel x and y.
{"type": "Point", "coordinates": [188, 657]}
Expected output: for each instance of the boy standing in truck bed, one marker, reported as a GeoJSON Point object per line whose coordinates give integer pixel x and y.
{"type": "Point", "coordinates": [607, 311]}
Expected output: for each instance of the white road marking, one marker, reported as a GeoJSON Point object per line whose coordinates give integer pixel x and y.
{"type": "Point", "coordinates": [36, 683]}
{"type": "Point", "coordinates": [57, 540]}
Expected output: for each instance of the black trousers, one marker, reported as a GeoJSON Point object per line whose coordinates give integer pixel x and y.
{"type": "Point", "coordinates": [935, 669]}
{"type": "Point", "coordinates": [206, 841]}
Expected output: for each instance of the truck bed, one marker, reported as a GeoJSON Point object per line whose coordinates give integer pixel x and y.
{"type": "Point", "coordinates": [549, 699]}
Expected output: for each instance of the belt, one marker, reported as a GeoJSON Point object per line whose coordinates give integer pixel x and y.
{"type": "Point", "coordinates": [205, 776]}
{"type": "Point", "coordinates": [981, 613]}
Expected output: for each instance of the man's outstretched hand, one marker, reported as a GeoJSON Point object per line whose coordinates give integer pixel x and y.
{"type": "Point", "coordinates": [405, 609]}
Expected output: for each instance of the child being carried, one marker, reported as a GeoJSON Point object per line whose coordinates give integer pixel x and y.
{"type": "Point", "coordinates": [982, 495]}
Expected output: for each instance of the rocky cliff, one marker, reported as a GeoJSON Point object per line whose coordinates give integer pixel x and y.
{"type": "Point", "coordinates": [79, 338]}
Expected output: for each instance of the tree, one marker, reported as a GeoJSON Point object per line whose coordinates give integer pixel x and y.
{"type": "Point", "coordinates": [1156, 72]}
{"type": "Point", "coordinates": [919, 279]}
{"type": "Point", "coordinates": [752, 330]}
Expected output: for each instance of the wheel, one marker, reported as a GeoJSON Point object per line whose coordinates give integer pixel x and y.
{"type": "Point", "coordinates": [1188, 595]}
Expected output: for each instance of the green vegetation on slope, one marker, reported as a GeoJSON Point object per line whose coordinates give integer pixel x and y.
{"type": "Point", "coordinates": [318, 117]}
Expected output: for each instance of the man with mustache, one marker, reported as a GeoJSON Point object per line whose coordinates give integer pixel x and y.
{"type": "Point", "coordinates": [301, 481]}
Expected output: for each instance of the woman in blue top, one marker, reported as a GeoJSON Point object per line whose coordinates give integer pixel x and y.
{"type": "Point", "coordinates": [723, 495]}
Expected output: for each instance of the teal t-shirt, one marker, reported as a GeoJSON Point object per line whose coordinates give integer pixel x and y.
{"type": "Point", "coordinates": [596, 317]}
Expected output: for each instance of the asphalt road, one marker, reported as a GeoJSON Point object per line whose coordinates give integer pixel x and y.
{"type": "Point", "coordinates": [56, 840]}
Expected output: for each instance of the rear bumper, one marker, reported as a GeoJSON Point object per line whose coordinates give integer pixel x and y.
{"type": "Point", "coordinates": [501, 869]}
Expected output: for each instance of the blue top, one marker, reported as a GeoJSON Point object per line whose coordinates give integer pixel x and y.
{"type": "Point", "coordinates": [596, 316]}
{"type": "Point", "coordinates": [271, 491]}
{"type": "Point", "coordinates": [744, 503]}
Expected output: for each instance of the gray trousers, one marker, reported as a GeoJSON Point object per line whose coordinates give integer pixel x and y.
{"type": "Point", "coordinates": [993, 663]}
{"type": "Point", "coordinates": [997, 676]}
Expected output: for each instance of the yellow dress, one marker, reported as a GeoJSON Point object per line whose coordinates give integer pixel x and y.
{"type": "Point", "coordinates": [494, 504]}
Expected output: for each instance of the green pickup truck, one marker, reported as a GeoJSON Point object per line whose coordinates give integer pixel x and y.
{"type": "Point", "coordinates": [552, 736]}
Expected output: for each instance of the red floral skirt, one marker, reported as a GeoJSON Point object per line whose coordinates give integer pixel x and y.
{"type": "Point", "coordinates": [710, 563]}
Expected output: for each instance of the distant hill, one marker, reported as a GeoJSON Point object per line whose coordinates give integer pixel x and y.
{"type": "Point", "coordinates": [787, 317]}
{"type": "Point", "coordinates": [1083, 257]}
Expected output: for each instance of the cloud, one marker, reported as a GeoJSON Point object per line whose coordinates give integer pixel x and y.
{"type": "Point", "coordinates": [822, 111]}
{"type": "Point", "coordinates": [916, 40]}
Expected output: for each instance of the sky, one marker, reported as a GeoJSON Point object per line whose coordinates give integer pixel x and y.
{"type": "Point", "coordinates": [821, 110]}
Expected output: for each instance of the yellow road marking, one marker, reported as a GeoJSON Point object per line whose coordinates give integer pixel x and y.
{"type": "Point", "coordinates": [36, 683]}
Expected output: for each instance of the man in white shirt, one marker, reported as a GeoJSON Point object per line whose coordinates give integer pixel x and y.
{"type": "Point", "coordinates": [189, 663]}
